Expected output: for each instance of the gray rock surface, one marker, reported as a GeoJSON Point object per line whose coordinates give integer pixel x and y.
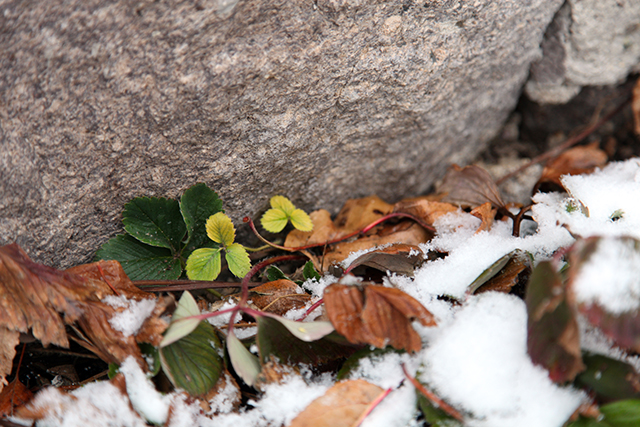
{"type": "Point", "coordinates": [316, 100]}
{"type": "Point", "coordinates": [589, 43]}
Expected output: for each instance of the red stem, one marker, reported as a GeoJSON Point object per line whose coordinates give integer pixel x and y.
{"type": "Point", "coordinates": [340, 239]}
{"type": "Point", "coordinates": [432, 397]}
{"type": "Point", "coordinates": [372, 406]}
{"type": "Point", "coordinates": [313, 307]}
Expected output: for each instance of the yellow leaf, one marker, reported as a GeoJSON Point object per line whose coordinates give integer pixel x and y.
{"type": "Point", "coordinates": [283, 204]}
{"type": "Point", "coordinates": [301, 220]}
{"type": "Point", "coordinates": [220, 229]}
{"type": "Point", "coordinates": [274, 220]}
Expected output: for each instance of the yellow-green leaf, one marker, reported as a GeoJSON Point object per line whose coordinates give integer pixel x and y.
{"type": "Point", "coordinates": [238, 260]}
{"type": "Point", "coordinates": [301, 220]}
{"type": "Point", "coordinates": [283, 204]}
{"type": "Point", "coordinates": [204, 264]}
{"type": "Point", "coordinates": [220, 229]}
{"type": "Point", "coordinates": [274, 220]}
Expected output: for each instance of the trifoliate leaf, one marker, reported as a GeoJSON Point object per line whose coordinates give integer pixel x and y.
{"type": "Point", "coordinates": [274, 220]}
{"type": "Point", "coordinates": [283, 204]}
{"type": "Point", "coordinates": [220, 229]}
{"type": "Point", "coordinates": [193, 363]}
{"type": "Point", "coordinates": [197, 204]}
{"type": "Point", "coordinates": [246, 365]}
{"type": "Point", "coordinates": [238, 260]}
{"type": "Point", "coordinates": [155, 221]}
{"type": "Point", "coordinates": [139, 260]}
{"type": "Point", "coordinates": [204, 264]}
{"type": "Point", "coordinates": [181, 323]}
{"type": "Point", "coordinates": [282, 210]}
{"type": "Point", "coordinates": [301, 221]}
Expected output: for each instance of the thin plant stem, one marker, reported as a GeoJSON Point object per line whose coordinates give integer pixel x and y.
{"type": "Point", "coordinates": [432, 397]}
{"type": "Point", "coordinates": [372, 406]}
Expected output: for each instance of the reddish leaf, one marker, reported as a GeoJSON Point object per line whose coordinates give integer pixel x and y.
{"type": "Point", "coordinates": [376, 315]}
{"type": "Point", "coordinates": [14, 395]}
{"type": "Point", "coordinates": [424, 208]}
{"type": "Point", "coordinates": [398, 258]}
{"type": "Point", "coordinates": [553, 339]}
{"type": "Point", "coordinates": [486, 215]}
{"type": "Point", "coordinates": [469, 186]}
{"type": "Point", "coordinates": [341, 406]}
{"type": "Point", "coordinates": [635, 106]}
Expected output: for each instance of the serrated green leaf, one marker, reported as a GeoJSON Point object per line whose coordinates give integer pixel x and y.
{"type": "Point", "coordinates": [282, 203]}
{"type": "Point", "coordinates": [624, 413]}
{"type": "Point", "coordinates": [246, 365]}
{"type": "Point", "coordinates": [220, 229]}
{"type": "Point", "coordinates": [204, 264]}
{"type": "Point", "coordinates": [197, 204]}
{"type": "Point", "coordinates": [181, 323]}
{"type": "Point", "coordinates": [141, 261]}
{"type": "Point", "coordinates": [274, 273]}
{"type": "Point", "coordinates": [193, 363]}
{"type": "Point", "coordinates": [309, 271]}
{"type": "Point", "coordinates": [155, 221]}
{"type": "Point", "coordinates": [238, 260]}
{"type": "Point", "coordinates": [300, 220]}
{"type": "Point", "coordinates": [274, 220]}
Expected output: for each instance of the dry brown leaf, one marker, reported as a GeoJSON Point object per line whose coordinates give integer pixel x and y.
{"type": "Point", "coordinates": [486, 215]}
{"type": "Point", "coordinates": [405, 232]}
{"type": "Point", "coordinates": [397, 258]}
{"type": "Point", "coordinates": [341, 406]}
{"type": "Point", "coordinates": [508, 277]}
{"type": "Point", "coordinates": [323, 231]}
{"type": "Point", "coordinates": [469, 187]}
{"type": "Point", "coordinates": [14, 396]}
{"type": "Point", "coordinates": [279, 296]}
{"type": "Point", "coordinates": [635, 106]}
{"type": "Point", "coordinates": [274, 372]}
{"type": "Point", "coordinates": [424, 208]}
{"type": "Point", "coordinates": [41, 299]}
{"type": "Point", "coordinates": [376, 315]}
{"type": "Point", "coordinates": [9, 339]}
{"type": "Point", "coordinates": [574, 161]}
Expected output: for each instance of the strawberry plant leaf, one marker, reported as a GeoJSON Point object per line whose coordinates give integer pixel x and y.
{"type": "Point", "coordinates": [155, 221]}
{"type": "Point", "coordinates": [141, 261]}
{"type": "Point", "coordinates": [204, 264]}
{"type": "Point", "coordinates": [305, 331]}
{"type": "Point", "coordinates": [193, 363]}
{"type": "Point", "coordinates": [300, 220]}
{"type": "Point", "coordinates": [283, 204]}
{"type": "Point", "coordinates": [197, 204]}
{"type": "Point", "coordinates": [274, 220]}
{"type": "Point", "coordinates": [180, 328]}
{"type": "Point", "coordinates": [273, 273]}
{"type": "Point", "coordinates": [220, 229]}
{"type": "Point", "coordinates": [608, 378]}
{"type": "Point", "coordinates": [246, 365]}
{"type": "Point", "coordinates": [238, 259]}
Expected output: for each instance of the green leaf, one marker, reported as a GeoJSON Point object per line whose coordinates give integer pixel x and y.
{"type": "Point", "coordinates": [141, 261]}
{"type": "Point", "coordinates": [274, 220]}
{"type": "Point", "coordinates": [608, 378]}
{"type": "Point", "coordinates": [151, 353]}
{"type": "Point", "coordinates": [300, 220]}
{"type": "Point", "coordinates": [274, 273]}
{"type": "Point", "coordinates": [274, 338]}
{"type": "Point", "coordinates": [309, 271]}
{"type": "Point", "coordinates": [204, 264]}
{"type": "Point", "coordinates": [220, 229]}
{"type": "Point", "coordinates": [624, 413]}
{"type": "Point", "coordinates": [197, 204]}
{"type": "Point", "coordinates": [491, 271]}
{"type": "Point", "coordinates": [193, 363]}
{"type": "Point", "coordinates": [305, 331]}
{"type": "Point", "coordinates": [155, 221]}
{"type": "Point", "coordinates": [181, 323]}
{"type": "Point", "coordinates": [436, 417]}
{"type": "Point", "coordinates": [113, 370]}
{"type": "Point", "coordinates": [246, 365]}
{"type": "Point", "coordinates": [238, 260]}
{"type": "Point", "coordinates": [588, 422]}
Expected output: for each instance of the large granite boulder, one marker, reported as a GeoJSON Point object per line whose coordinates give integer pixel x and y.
{"type": "Point", "coordinates": [323, 100]}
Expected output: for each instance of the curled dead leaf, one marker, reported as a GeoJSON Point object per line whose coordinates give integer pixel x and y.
{"type": "Point", "coordinates": [469, 186]}
{"type": "Point", "coordinates": [424, 208]}
{"type": "Point", "coordinates": [341, 406]}
{"type": "Point", "coordinates": [486, 214]}
{"type": "Point", "coordinates": [376, 315]}
{"type": "Point", "coordinates": [398, 258]}
{"type": "Point", "coordinates": [574, 161]}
